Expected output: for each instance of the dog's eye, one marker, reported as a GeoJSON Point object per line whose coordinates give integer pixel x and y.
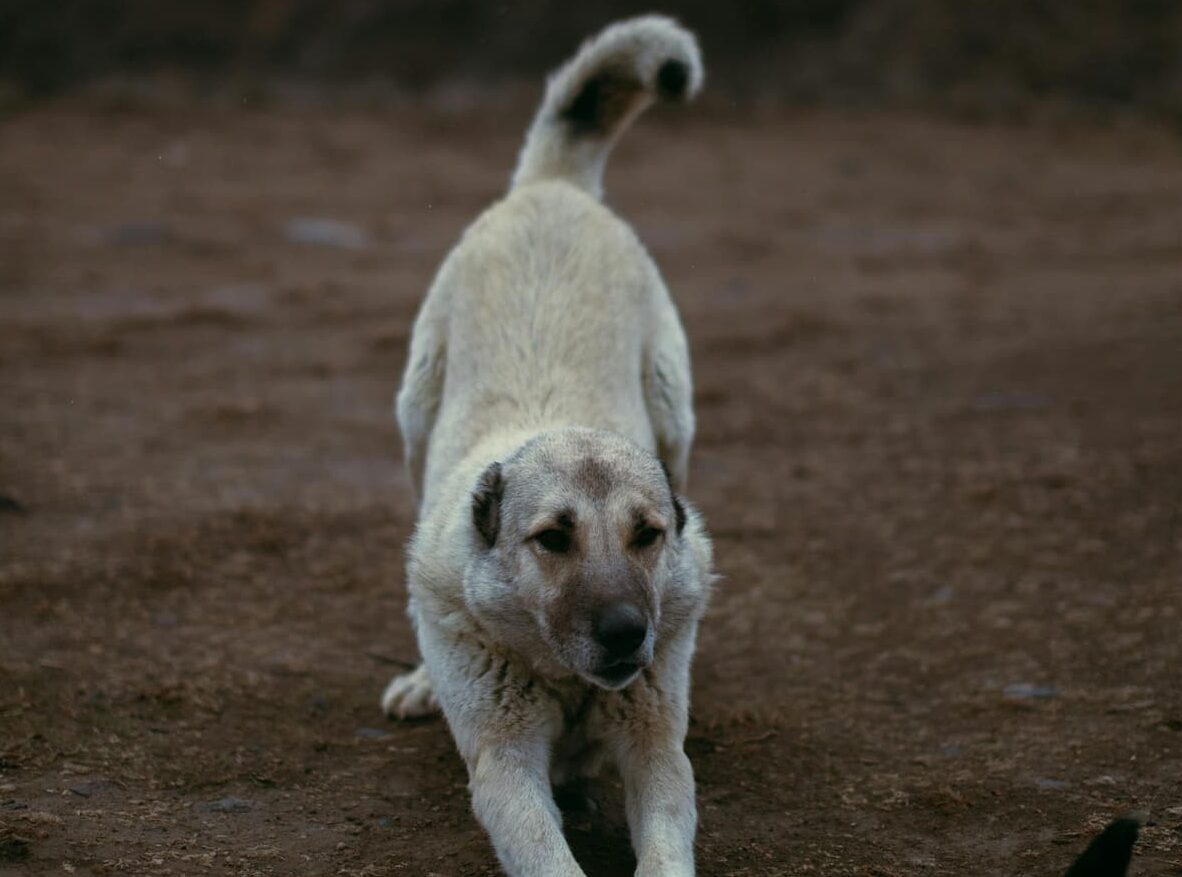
{"type": "Point", "coordinates": [647, 536]}
{"type": "Point", "coordinates": [554, 541]}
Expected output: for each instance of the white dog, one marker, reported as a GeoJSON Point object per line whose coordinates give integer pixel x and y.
{"type": "Point", "coordinates": [556, 579]}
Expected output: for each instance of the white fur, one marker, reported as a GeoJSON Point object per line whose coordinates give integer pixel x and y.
{"type": "Point", "coordinates": [634, 49]}
{"type": "Point", "coordinates": [548, 342]}
{"type": "Point", "coordinates": [410, 696]}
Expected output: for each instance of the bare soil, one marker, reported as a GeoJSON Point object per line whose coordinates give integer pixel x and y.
{"type": "Point", "coordinates": [939, 383]}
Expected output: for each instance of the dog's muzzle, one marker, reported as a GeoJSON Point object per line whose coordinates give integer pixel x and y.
{"type": "Point", "coordinates": [621, 632]}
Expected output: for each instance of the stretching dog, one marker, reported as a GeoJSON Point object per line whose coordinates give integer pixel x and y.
{"type": "Point", "coordinates": [556, 578]}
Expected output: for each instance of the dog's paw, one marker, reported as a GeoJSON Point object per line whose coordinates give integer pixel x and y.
{"type": "Point", "coordinates": [410, 696]}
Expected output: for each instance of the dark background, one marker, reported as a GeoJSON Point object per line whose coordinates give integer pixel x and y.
{"type": "Point", "coordinates": [977, 55]}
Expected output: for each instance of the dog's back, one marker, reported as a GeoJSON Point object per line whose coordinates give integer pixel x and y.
{"type": "Point", "coordinates": [548, 301]}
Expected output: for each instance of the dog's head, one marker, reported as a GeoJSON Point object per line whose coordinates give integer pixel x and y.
{"type": "Point", "coordinates": [582, 555]}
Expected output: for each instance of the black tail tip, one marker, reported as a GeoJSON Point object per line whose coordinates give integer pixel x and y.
{"type": "Point", "coordinates": [673, 80]}
{"type": "Point", "coordinates": [1109, 854]}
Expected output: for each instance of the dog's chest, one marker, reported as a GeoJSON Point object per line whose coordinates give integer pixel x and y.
{"type": "Point", "coordinates": [578, 750]}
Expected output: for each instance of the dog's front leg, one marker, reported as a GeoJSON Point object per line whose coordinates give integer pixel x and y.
{"type": "Point", "coordinates": [513, 801]}
{"type": "Point", "coordinates": [662, 816]}
{"type": "Point", "coordinates": [504, 728]}
{"type": "Point", "coordinates": [647, 738]}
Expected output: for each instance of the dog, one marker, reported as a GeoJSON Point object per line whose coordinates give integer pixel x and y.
{"type": "Point", "coordinates": [556, 576]}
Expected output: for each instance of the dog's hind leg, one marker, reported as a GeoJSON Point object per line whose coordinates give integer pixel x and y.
{"type": "Point", "coordinates": [668, 391]}
{"type": "Point", "coordinates": [410, 695]}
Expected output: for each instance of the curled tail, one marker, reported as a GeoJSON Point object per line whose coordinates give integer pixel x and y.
{"type": "Point", "coordinates": [592, 98]}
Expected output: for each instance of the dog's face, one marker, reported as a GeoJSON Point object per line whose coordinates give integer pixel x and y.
{"type": "Point", "coordinates": [579, 554]}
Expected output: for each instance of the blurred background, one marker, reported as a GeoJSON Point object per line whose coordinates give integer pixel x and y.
{"type": "Point", "coordinates": [974, 55]}
{"type": "Point", "coordinates": [929, 259]}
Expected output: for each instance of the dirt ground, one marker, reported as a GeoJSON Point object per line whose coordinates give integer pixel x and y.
{"type": "Point", "coordinates": [939, 385]}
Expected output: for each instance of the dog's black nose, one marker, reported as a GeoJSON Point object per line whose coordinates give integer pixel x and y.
{"type": "Point", "coordinates": [620, 629]}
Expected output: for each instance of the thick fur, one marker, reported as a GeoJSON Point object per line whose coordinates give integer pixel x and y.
{"type": "Point", "coordinates": [547, 402]}
{"type": "Point", "coordinates": [593, 97]}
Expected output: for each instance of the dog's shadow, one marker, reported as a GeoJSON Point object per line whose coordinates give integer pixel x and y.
{"type": "Point", "coordinates": [594, 824]}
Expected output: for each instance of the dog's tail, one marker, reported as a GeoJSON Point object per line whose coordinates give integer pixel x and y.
{"type": "Point", "coordinates": [592, 98]}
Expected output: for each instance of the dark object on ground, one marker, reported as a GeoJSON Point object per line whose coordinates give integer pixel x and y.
{"type": "Point", "coordinates": [1111, 851]}
{"type": "Point", "coordinates": [139, 233]}
{"type": "Point", "coordinates": [11, 505]}
{"type": "Point", "coordinates": [13, 848]}
{"type": "Point", "coordinates": [227, 805]}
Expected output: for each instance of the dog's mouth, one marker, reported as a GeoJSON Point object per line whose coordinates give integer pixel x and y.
{"type": "Point", "coordinates": [618, 675]}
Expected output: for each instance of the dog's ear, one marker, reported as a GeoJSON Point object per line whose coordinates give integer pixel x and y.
{"type": "Point", "coordinates": [486, 504]}
{"type": "Point", "coordinates": [678, 506]}
{"type": "Point", "coordinates": [679, 510]}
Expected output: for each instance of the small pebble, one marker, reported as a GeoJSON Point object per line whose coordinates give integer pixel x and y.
{"type": "Point", "coordinates": [227, 805]}
{"type": "Point", "coordinates": [942, 595]}
{"type": "Point", "coordinates": [371, 734]}
{"type": "Point", "coordinates": [1052, 785]}
{"type": "Point", "coordinates": [1027, 691]}
{"type": "Point", "coordinates": [1014, 400]}
{"type": "Point", "coordinates": [143, 233]}
{"type": "Point", "coordinates": [326, 233]}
